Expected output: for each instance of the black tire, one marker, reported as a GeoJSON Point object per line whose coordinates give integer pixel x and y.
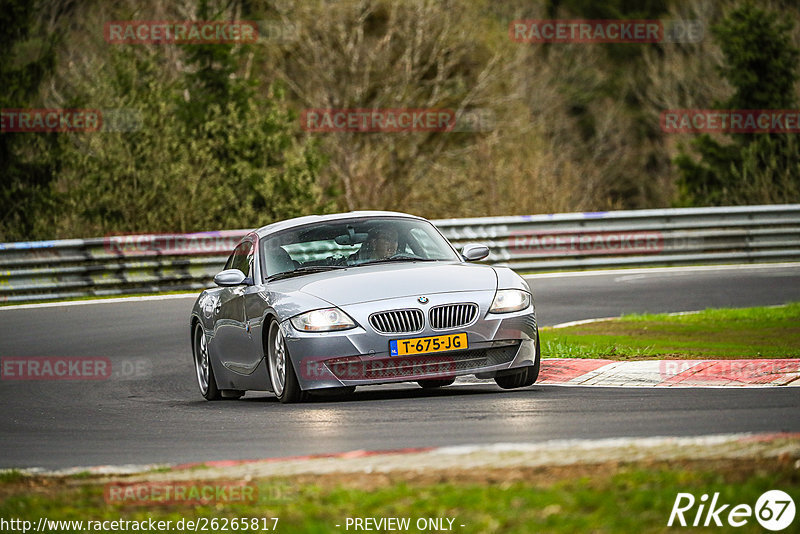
{"type": "Point", "coordinates": [515, 380]}
{"type": "Point", "coordinates": [433, 383]}
{"type": "Point", "coordinates": [202, 366]}
{"type": "Point", "coordinates": [281, 371]}
{"type": "Point", "coordinates": [533, 372]}
{"type": "Point", "coordinates": [526, 376]}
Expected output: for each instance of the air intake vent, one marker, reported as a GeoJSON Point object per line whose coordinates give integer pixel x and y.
{"type": "Point", "coordinates": [397, 321]}
{"type": "Point", "coordinates": [453, 315]}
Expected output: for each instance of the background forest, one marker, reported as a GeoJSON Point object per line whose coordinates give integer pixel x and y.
{"type": "Point", "coordinates": [217, 141]}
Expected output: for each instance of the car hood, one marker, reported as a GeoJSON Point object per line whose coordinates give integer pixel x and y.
{"type": "Point", "coordinates": [387, 281]}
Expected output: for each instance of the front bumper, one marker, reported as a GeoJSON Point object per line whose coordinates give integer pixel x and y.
{"type": "Point", "coordinates": [360, 356]}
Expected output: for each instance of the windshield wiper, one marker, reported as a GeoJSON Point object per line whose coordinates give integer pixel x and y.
{"type": "Point", "coordinates": [305, 270]}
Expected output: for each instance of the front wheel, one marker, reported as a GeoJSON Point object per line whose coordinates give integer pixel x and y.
{"type": "Point", "coordinates": [202, 366]}
{"type": "Point", "coordinates": [524, 377]}
{"type": "Point", "coordinates": [281, 371]}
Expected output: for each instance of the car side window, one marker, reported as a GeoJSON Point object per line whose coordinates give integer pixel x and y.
{"type": "Point", "coordinates": [242, 258]}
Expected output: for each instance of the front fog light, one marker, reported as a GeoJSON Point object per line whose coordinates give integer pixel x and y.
{"type": "Point", "coordinates": [510, 300]}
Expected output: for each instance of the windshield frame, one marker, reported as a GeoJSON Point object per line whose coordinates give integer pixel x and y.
{"type": "Point", "coordinates": [263, 240]}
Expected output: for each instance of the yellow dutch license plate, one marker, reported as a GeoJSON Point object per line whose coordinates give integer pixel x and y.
{"type": "Point", "coordinates": [425, 345]}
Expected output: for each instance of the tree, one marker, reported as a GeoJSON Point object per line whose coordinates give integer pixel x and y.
{"type": "Point", "coordinates": [211, 150]}
{"type": "Point", "coordinates": [26, 59]}
{"type": "Point", "coordinates": [761, 65]}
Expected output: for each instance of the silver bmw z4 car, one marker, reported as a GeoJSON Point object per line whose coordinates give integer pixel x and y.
{"type": "Point", "coordinates": [322, 304]}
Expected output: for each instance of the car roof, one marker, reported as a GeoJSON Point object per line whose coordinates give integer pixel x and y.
{"type": "Point", "coordinates": [308, 219]}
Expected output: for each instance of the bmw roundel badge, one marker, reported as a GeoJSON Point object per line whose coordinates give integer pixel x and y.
{"type": "Point", "coordinates": [423, 300]}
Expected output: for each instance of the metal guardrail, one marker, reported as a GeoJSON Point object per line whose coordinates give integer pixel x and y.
{"type": "Point", "coordinates": [116, 265]}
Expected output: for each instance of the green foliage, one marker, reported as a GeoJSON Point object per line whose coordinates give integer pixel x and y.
{"type": "Point", "coordinates": [209, 150]}
{"type": "Point", "coordinates": [211, 76]}
{"type": "Point", "coordinates": [219, 144]}
{"type": "Point", "coordinates": [236, 165]}
{"type": "Point", "coordinates": [612, 10]}
{"type": "Point", "coordinates": [761, 62]}
{"type": "Point", "coordinates": [761, 332]}
{"type": "Point", "coordinates": [26, 60]}
{"type": "Point", "coordinates": [761, 65]}
{"type": "Point", "coordinates": [11, 476]}
{"type": "Point", "coordinates": [612, 497]}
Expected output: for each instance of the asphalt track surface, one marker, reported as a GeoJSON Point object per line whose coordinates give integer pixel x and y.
{"type": "Point", "coordinates": [153, 413]}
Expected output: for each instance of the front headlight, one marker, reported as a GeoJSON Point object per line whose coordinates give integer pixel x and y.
{"type": "Point", "coordinates": [324, 320]}
{"type": "Point", "coordinates": [510, 300]}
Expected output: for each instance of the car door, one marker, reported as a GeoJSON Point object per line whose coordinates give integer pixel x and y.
{"type": "Point", "coordinates": [256, 301]}
{"type": "Point", "coordinates": [232, 341]}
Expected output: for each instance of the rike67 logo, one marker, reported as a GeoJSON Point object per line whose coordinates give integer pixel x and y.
{"type": "Point", "coordinates": [774, 510]}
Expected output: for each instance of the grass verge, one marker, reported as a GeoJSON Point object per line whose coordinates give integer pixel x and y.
{"type": "Point", "coordinates": [606, 497]}
{"type": "Point", "coordinates": [762, 332]}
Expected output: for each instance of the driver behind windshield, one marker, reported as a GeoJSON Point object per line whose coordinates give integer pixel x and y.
{"type": "Point", "coordinates": [381, 244]}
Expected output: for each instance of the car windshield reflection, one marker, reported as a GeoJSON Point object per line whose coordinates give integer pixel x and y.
{"type": "Point", "coordinates": [351, 243]}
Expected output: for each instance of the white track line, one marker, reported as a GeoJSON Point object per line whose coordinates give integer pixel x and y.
{"type": "Point", "coordinates": [599, 319]}
{"type": "Point", "coordinates": [661, 270]}
{"type": "Point", "coordinates": [581, 322]}
{"type": "Point", "coordinates": [492, 455]}
{"type": "Point", "coordinates": [114, 300]}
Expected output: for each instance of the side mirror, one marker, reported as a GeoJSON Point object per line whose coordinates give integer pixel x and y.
{"type": "Point", "coordinates": [474, 252]}
{"type": "Point", "coordinates": [229, 277]}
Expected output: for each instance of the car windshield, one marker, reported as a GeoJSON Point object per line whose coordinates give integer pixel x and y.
{"type": "Point", "coordinates": [350, 243]}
